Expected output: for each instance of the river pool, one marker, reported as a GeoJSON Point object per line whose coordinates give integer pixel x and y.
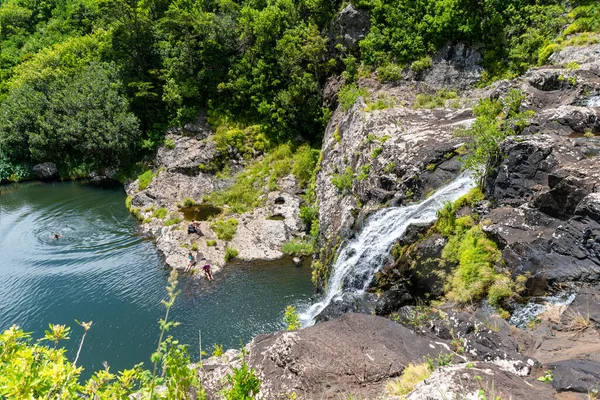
{"type": "Point", "coordinates": [102, 270]}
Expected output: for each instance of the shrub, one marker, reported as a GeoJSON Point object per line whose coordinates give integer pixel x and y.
{"type": "Point", "coordinates": [411, 376]}
{"type": "Point", "coordinates": [160, 213]}
{"type": "Point", "coordinates": [389, 72]}
{"type": "Point", "coordinates": [348, 95]}
{"type": "Point", "coordinates": [495, 120]}
{"type": "Point", "coordinates": [298, 247]}
{"type": "Point", "coordinates": [363, 174]}
{"type": "Point", "coordinates": [438, 99]}
{"type": "Point", "coordinates": [194, 246]}
{"type": "Point", "coordinates": [379, 104]}
{"type": "Point", "coordinates": [336, 135]}
{"type": "Point", "coordinates": [291, 319]}
{"type": "Point", "coordinates": [391, 167]}
{"type": "Point", "coordinates": [128, 202]}
{"type": "Point", "coordinates": [307, 214]}
{"type": "Point", "coordinates": [211, 243]}
{"type": "Point", "coordinates": [217, 350]}
{"type": "Point", "coordinates": [169, 144]}
{"type": "Point", "coordinates": [431, 167]}
{"type": "Point", "coordinates": [172, 221]}
{"type": "Point", "coordinates": [343, 182]}
{"type": "Point", "coordinates": [421, 64]}
{"type": "Point", "coordinates": [188, 202]}
{"type": "Point", "coordinates": [243, 383]}
{"type": "Point", "coordinates": [305, 162]}
{"type": "Point", "coordinates": [230, 253]}
{"type": "Point", "coordinates": [145, 179]}
{"type": "Point", "coordinates": [225, 230]}
{"type": "Point", "coordinates": [376, 152]}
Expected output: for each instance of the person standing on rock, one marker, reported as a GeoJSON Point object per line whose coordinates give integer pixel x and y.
{"type": "Point", "coordinates": [191, 262]}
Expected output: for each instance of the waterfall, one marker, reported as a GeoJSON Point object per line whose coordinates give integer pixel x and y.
{"type": "Point", "coordinates": [362, 257]}
{"type": "Point", "coordinates": [594, 101]}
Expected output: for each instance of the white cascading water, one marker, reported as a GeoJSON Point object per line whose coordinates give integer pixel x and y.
{"type": "Point", "coordinates": [358, 262]}
{"type": "Point", "coordinates": [594, 101]}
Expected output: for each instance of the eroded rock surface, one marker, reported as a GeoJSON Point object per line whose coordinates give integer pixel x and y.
{"type": "Point", "coordinates": [179, 175]}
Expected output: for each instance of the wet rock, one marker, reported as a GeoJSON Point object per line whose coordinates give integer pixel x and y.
{"type": "Point", "coordinates": [347, 303]}
{"type": "Point", "coordinates": [580, 376]}
{"type": "Point", "coordinates": [45, 171]}
{"type": "Point", "coordinates": [352, 354]}
{"type": "Point", "coordinates": [393, 299]}
{"type": "Point", "coordinates": [547, 217]}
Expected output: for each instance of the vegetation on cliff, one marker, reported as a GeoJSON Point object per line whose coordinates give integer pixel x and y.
{"type": "Point", "coordinates": [94, 83]}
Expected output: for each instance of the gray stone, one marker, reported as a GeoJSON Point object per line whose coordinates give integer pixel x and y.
{"type": "Point", "coordinates": [455, 66]}
{"type": "Point", "coordinates": [45, 171]}
{"type": "Point", "coordinates": [349, 27]}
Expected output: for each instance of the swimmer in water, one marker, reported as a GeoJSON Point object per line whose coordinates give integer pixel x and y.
{"type": "Point", "coordinates": [56, 236]}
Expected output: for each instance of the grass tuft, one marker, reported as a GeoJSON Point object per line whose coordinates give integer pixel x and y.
{"type": "Point", "coordinates": [411, 376]}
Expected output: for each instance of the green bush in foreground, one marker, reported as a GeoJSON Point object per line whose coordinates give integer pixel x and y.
{"type": "Point", "coordinates": [33, 370]}
{"type": "Point", "coordinates": [211, 243]}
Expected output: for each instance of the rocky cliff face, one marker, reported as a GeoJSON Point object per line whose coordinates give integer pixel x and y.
{"type": "Point", "coordinates": [542, 210]}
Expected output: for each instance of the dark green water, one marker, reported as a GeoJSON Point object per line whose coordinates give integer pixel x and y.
{"type": "Point", "coordinates": [101, 270]}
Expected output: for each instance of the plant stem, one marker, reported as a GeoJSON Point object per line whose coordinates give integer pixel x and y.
{"type": "Point", "coordinates": [162, 331]}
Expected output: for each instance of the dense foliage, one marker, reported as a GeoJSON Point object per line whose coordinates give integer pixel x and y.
{"type": "Point", "coordinates": [93, 83]}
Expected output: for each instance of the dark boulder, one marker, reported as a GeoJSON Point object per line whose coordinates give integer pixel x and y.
{"type": "Point", "coordinates": [349, 27]}
{"type": "Point", "coordinates": [547, 215]}
{"type": "Point", "coordinates": [456, 65]}
{"type": "Point", "coordinates": [45, 171]}
{"type": "Point", "coordinates": [347, 302]}
{"type": "Point", "coordinates": [352, 354]}
{"type": "Point", "coordinates": [580, 376]}
{"type": "Point", "coordinates": [393, 298]}
{"type": "Point", "coordinates": [587, 304]}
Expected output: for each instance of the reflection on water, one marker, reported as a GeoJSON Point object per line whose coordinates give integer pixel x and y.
{"type": "Point", "coordinates": [101, 270]}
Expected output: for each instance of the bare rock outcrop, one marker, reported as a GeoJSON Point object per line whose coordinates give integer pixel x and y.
{"type": "Point", "coordinates": [180, 172]}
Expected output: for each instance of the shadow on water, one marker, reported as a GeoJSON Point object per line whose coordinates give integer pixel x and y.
{"type": "Point", "coordinates": [101, 270]}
